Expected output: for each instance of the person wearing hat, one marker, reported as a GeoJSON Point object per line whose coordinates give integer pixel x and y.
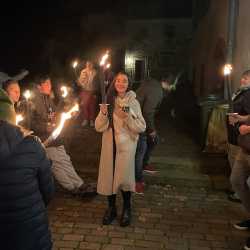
{"type": "Point", "coordinates": [4, 77]}
{"type": "Point", "coordinates": [26, 185]}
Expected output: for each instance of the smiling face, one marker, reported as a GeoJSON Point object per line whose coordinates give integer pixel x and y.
{"type": "Point", "coordinates": [121, 84]}
{"type": "Point", "coordinates": [13, 91]}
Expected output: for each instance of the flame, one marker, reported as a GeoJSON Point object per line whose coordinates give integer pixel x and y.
{"type": "Point", "coordinates": [104, 58]}
{"type": "Point", "coordinates": [108, 66]}
{"type": "Point", "coordinates": [227, 69]}
{"type": "Point", "coordinates": [65, 116]}
{"type": "Point", "coordinates": [27, 94]}
{"type": "Point", "coordinates": [74, 64]}
{"type": "Point", "coordinates": [19, 118]}
{"type": "Point", "coordinates": [64, 91]}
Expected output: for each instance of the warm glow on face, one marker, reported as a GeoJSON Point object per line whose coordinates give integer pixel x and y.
{"type": "Point", "coordinates": [121, 83]}
{"type": "Point", "coordinates": [45, 87]}
{"type": "Point", "coordinates": [13, 91]}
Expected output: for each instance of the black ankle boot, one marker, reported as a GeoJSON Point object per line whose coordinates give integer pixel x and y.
{"type": "Point", "coordinates": [126, 212]}
{"type": "Point", "coordinates": [110, 213]}
{"type": "Point", "coordinates": [109, 216]}
{"type": "Point", "coordinates": [126, 217]}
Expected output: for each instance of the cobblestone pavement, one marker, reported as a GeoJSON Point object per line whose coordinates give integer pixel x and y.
{"type": "Point", "coordinates": [165, 217]}
{"type": "Point", "coordinates": [183, 210]}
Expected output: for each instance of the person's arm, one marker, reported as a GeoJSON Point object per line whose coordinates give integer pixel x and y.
{"type": "Point", "coordinates": [102, 121]}
{"type": "Point", "coordinates": [135, 121]}
{"type": "Point", "coordinates": [235, 118]}
{"type": "Point", "coordinates": [149, 109]}
{"type": "Point", "coordinates": [246, 101]}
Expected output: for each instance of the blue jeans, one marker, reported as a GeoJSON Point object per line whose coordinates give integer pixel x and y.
{"type": "Point", "coordinates": [151, 143]}
{"type": "Point", "coordinates": [139, 157]}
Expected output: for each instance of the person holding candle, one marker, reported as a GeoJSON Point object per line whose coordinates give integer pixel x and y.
{"type": "Point", "coordinates": [22, 105]}
{"type": "Point", "coordinates": [120, 121]}
{"type": "Point", "coordinates": [43, 122]}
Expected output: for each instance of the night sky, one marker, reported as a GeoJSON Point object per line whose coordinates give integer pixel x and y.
{"type": "Point", "coordinates": [28, 29]}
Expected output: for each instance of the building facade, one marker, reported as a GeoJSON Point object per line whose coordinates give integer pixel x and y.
{"type": "Point", "coordinates": [157, 46]}
{"type": "Point", "coordinates": [210, 47]}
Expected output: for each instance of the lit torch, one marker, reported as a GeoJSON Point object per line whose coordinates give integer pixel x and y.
{"type": "Point", "coordinates": [65, 116]}
{"type": "Point", "coordinates": [227, 74]}
{"type": "Point", "coordinates": [74, 64]}
{"type": "Point", "coordinates": [104, 59]}
{"type": "Point", "coordinates": [64, 91]}
{"type": "Point", "coordinates": [19, 118]}
{"type": "Point", "coordinates": [227, 69]}
{"type": "Point", "coordinates": [27, 94]}
{"type": "Point", "coordinates": [104, 65]}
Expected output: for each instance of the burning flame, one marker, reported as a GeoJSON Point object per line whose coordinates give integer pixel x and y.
{"type": "Point", "coordinates": [104, 58]}
{"type": "Point", "coordinates": [27, 94]}
{"type": "Point", "coordinates": [108, 66]}
{"type": "Point", "coordinates": [19, 118]}
{"type": "Point", "coordinates": [64, 91]}
{"type": "Point", "coordinates": [74, 65]}
{"type": "Point", "coordinates": [65, 116]}
{"type": "Point", "coordinates": [227, 69]}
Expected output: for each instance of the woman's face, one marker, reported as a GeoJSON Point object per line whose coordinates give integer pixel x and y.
{"type": "Point", "coordinates": [121, 83]}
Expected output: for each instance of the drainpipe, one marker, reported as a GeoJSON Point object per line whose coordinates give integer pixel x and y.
{"type": "Point", "coordinates": [231, 34]}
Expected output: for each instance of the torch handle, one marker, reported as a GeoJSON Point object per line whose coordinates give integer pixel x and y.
{"type": "Point", "coordinates": [103, 87]}
{"type": "Point", "coordinates": [229, 92]}
{"type": "Point", "coordinates": [47, 142]}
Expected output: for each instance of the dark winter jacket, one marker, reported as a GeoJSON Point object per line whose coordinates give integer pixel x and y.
{"type": "Point", "coordinates": [42, 106]}
{"type": "Point", "coordinates": [26, 187]}
{"type": "Point", "coordinates": [241, 101]}
{"type": "Point", "coordinates": [149, 95]}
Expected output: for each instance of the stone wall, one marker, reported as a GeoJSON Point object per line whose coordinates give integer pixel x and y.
{"type": "Point", "coordinates": [209, 48]}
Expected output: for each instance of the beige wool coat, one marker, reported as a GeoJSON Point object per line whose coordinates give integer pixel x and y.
{"type": "Point", "coordinates": [126, 136]}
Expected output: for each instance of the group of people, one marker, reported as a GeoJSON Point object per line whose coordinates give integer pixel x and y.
{"type": "Point", "coordinates": [239, 149]}
{"type": "Point", "coordinates": [126, 121]}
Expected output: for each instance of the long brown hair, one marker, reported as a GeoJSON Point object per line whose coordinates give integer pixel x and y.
{"type": "Point", "coordinates": [112, 94]}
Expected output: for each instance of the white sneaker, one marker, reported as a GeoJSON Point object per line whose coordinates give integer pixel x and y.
{"type": "Point", "coordinates": [84, 123]}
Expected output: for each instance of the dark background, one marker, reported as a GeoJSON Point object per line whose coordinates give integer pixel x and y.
{"type": "Point", "coordinates": [33, 34]}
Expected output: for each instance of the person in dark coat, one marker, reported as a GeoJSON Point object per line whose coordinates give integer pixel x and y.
{"type": "Point", "coordinates": [26, 185]}
{"type": "Point", "coordinates": [149, 95]}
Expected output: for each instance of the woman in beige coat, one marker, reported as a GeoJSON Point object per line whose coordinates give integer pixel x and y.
{"type": "Point", "coordinates": [122, 118]}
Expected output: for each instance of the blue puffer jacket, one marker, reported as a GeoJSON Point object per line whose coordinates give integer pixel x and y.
{"type": "Point", "coordinates": [26, 187]}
